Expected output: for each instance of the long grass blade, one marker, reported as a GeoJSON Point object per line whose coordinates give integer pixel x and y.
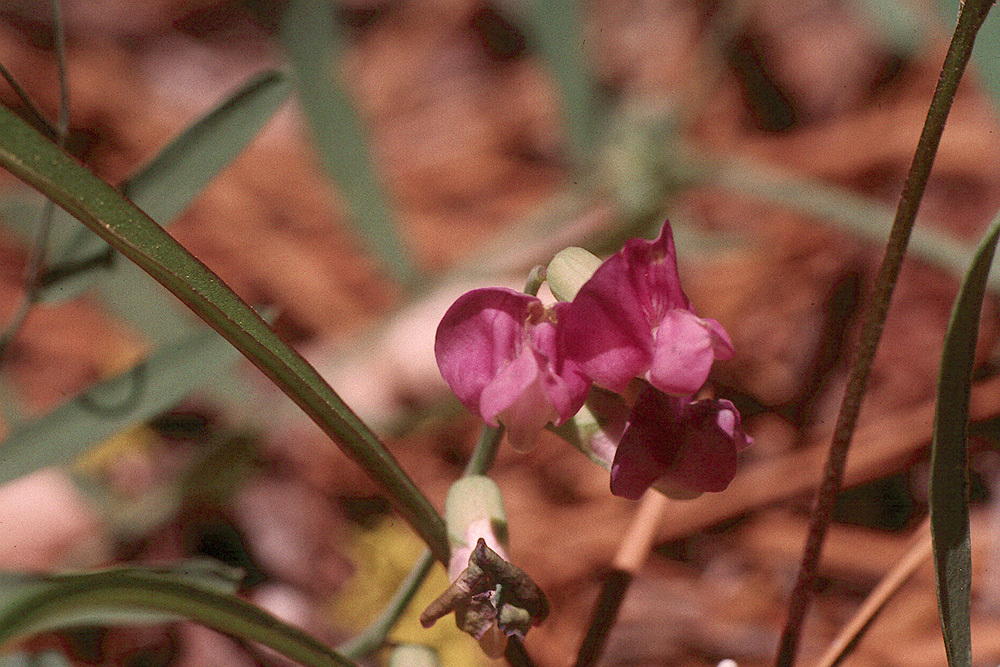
{"type": "Point", "coordinates": [32, 604]}
{"type": "Point", "coordinates": [33, 159]}
{"type": "Point", "coordinates": [163, 189]}
{"type": "Point", "coordinates": [150, 388]}
{"type": "Point", "coordinates": [558, 27]}
{"type": "Point", "coordinates": [949, 483]}
{"type": "Point", "coordinates": [314, 43]}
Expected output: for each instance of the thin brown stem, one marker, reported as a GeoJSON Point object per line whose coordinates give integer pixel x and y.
{"type": "Point", "coordinates": [631, 555]}
{"type": "Point", "coordinates": [970, 19]}
{"type": "Point", "coordinates": [918, 554]}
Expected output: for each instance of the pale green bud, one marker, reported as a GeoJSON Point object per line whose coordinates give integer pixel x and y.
{"type": "Point", "coordinates": [475, 509]}
{"type": "Point", "coordinates": [569, 270]}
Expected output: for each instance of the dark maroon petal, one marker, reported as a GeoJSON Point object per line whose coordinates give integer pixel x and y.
{"type": "Point", "coordinates": [652, 440]}
{"type": "Point", "coordinates": [690, 447]}
{"type": "Point", "coordinates": [709, 458]}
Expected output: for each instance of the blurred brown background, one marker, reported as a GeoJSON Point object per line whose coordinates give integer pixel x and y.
{"type": "Point", "coordinates": [466, 131]}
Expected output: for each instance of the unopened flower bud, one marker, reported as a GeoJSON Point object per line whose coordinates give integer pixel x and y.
{"type": "Point", "coordinates": [474, 509]}
{"type": "Point", "coordinates": [569, 270]}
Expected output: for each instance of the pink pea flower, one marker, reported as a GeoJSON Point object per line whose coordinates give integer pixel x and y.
{"type": "Point", "coordinates": [684, 447]}
{"type": "Point", "coordinates": [501, 353]}
{"type": "Point", "coordinates": [631, 319]}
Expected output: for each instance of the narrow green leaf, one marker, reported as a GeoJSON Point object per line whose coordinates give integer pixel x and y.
{"type": "Point", "coordinates": [163, 189]}
{"type": "Point", "coordinates": [168, 184]}
{"type": "Point", "coordinates": [314, 44]}
{"type": "Point", "coordinates": [148, 389]}
{"type": "Point", "coordinates": [33, 159]}
{"type": "Point", "coordinates": [949, 483]}
{"type": "Point", "coordinates": [189, 356]}
{"type": "Point", "coordinates": [18, 590]}
{"type": "Point", "coordinates": [558, 27]}
{"type": "Point", "coordinates": [987, 48]}
{"type": "Point", "coordinates": [142, 595]}
{"type": "Point", "coordinates": [843, 208]}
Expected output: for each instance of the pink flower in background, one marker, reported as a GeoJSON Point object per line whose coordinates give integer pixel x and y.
{"type": "Point", "coordinates": [684, 446]}
{"type": "Point", "coordinates": [501, 353]}
{"type": "Point", "coordinates": [631, 319]}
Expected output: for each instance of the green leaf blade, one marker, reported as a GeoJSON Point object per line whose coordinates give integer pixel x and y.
{"type": "Point", "coordinates": [558, 27]}
{"type": "Point", "coordinates": [33, 159]}
{"type": "Point", "coordinates": [949, 483]}
{"type": "Point", "coordinates": [313, 41]}
{"type": "Point", "coordinates": [33, 604]}
{"type": "Point", "coordinates": [164, 188]}
{"type": "Point", "coordinates": [150, 388]}
{"type": "Point", "coordinates": [178, 174]}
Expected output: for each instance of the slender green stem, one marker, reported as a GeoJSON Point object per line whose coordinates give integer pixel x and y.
{"type": "Point", "coordinates": [34, 116]}
{"type": "Point", "coordinates": [970, 19]}
{"type": "Point", "coordinates": [602, 619]}
{"type": "Point", "coordinates": [515, 653]}
{"type": "Point", "coordinates": [535, 279]}
{"type": "Point", "coordinates": [373, 637]}
{"type": "Point", "coordinates": [62, 125]}
{"type": "Point", "coordinates": [485, 451]}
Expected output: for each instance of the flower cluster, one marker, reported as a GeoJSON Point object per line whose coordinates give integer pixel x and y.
{"type": "Point", "coordinates": [516, 362]}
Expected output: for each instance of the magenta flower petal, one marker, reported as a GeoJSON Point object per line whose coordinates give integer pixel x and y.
{"type": "Point", "coordinates": [606, 330]}
{"type": "Point", "coordinates": [478, 337]}
{"type": "Point", "coordinates": [564, 383]}
{"type": "Point", "coordinates": [632, 319]}
{"type": "Point", "coordinates": [500, 352]}
{"type": "Point", "coordinates": [721, 343]}
{"type": "Point", "coordinates": [518, 379]}
{"type": "Point", "coordinates": [689, 446]}
{"type": "Point", "coordinates": [683, 354]}
{"type": "Point", "coordinates": [652, 269]}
